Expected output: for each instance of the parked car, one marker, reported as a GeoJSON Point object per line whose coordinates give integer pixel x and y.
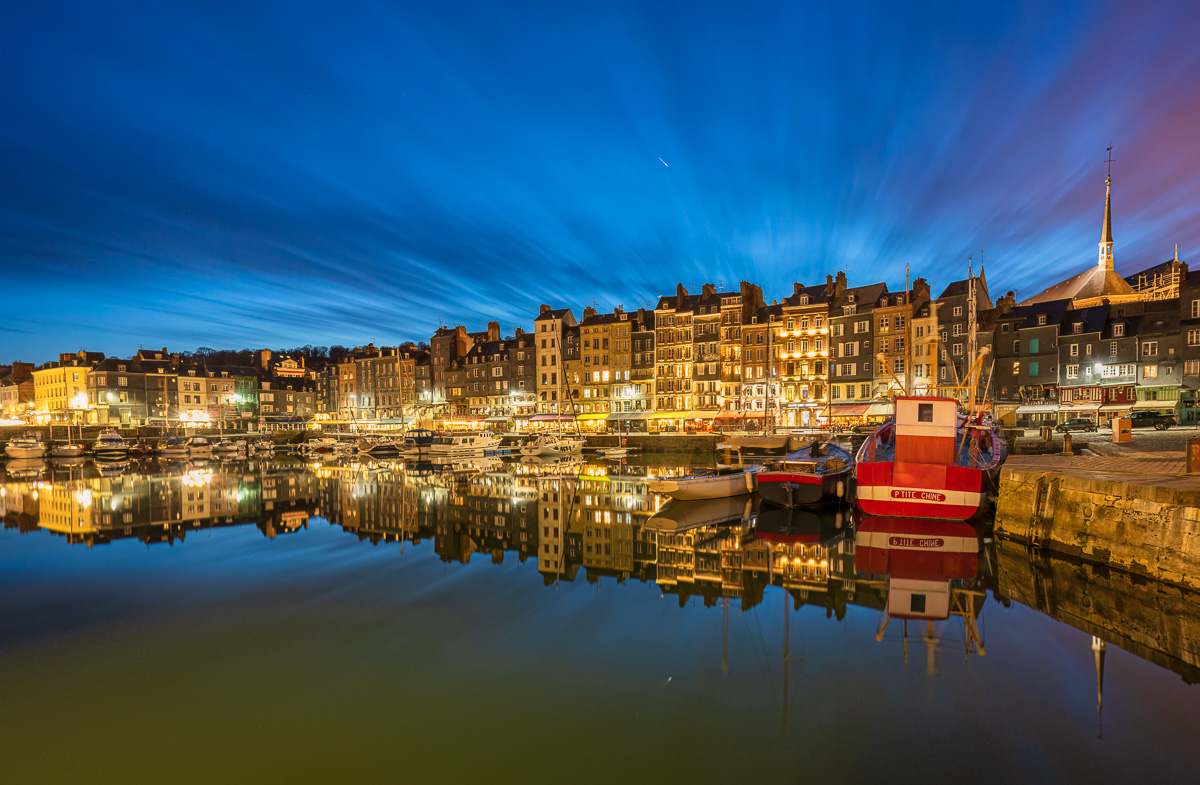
{"type": "Point", "coordinates": [1156, 420]}
{"type": "Point", "coordinates": [1077, 424]}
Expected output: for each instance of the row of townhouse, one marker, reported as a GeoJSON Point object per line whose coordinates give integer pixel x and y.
{"type": "Point", "coordinates": [152, 387]}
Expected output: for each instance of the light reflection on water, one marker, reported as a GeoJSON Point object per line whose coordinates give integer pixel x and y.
{"type": "Point", "coordinates": [554, 619]}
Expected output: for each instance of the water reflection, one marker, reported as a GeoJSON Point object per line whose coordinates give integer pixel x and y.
{"type": "Point", "coordinates": [570, 516]}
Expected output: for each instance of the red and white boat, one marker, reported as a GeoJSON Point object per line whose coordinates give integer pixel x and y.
{"type": "Point", "coordinates": [930, 462]}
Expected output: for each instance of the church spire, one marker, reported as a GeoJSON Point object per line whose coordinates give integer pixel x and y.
{"type": "Point", "coordinates": [1106, 240]}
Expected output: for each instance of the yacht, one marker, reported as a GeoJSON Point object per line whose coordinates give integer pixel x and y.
{"type": "Point", "coordinates": [464, 444]}
{"type": "Point", "coordinates": [110, 447]}
{"type": "Point", "coordinates": [263, 446]}
{"type": "Point", "coordinates": [27, 445]}
{"type": "Point", "coordinates": [198, 447]}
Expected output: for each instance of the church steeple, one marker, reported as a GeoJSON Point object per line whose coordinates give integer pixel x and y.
{"type": "Point", "coordinates": [1106, 240]}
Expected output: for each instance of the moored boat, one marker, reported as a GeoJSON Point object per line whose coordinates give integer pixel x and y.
{"type": "Point", "coordinates": [930, 462]}
{"type": "Point", "coordinates": [464, 444]}
{"type": "Point", "coordinates": [110, 446]}
{"type": "Point", "coordinates": [551, 444]}
{"type": "Point", "coordinates": [718, 484]}
{"type": "Point", "coordinates": [198, 447]}
{"type": "Point", "coordinates": [377, 447]}
{"type": "Point", "coordinates": [27, 445]}
{"type": "Point", "coordinates": [171, 447]}
{"type": "Point", "coordinates": [808, 477]}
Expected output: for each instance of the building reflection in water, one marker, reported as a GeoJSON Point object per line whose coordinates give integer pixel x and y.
{"type": "Point", "coordinates": [570, 516]}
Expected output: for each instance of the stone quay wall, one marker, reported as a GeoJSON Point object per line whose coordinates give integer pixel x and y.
{"type": "Point", "coordinates": [1130, 523]}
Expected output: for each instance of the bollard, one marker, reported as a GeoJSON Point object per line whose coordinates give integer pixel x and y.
{"type": "Point", "coordinates": [1193, 455]}
{"type": "Point", "coordinates": [1067, 449]}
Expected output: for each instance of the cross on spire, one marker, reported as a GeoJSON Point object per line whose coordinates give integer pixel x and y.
{"type": "Point", "coordinates": [1109, 161]}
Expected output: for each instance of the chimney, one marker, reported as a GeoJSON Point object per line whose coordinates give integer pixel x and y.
{"type": "Point", "coordinates": [493, 331]}
{"type": "Point", "coordinates": [839, 284]}
{"type": "Point", "coordinates": [752, 300]}
{"type": "Point", "coordinates": [588, 313]}
{"type": "Point", "coordinates": [796, 287]}
{"type": "Point", "coordinates": [519, 333]}
{"type": "Point", "coordinates": [829, 286]}
{"type": "Point", "coordinates": [545, 309]}
{"type": "Point", "coordinates": [264, 359]}
{"type": "Point", "coordinates": [920, 291]}
{"type": "Point", "coordinates": [680, 293]}
{"type": "Point", "coordinates": [641, 317]}
{"type": "Point", "coordinates": [462, 344]}
{"type": "Point", "coordinates": [708, 290]}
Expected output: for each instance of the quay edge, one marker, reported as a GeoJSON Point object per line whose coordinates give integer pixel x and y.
{"type": "Point", "coordinates": [1144, 525]}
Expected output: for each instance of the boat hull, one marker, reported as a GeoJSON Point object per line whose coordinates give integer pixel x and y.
{"type": "Point", "coordinates": [920, 490]}
{"type": "Point", "coordinates": [68, 451]}
{"type": "Point", "coordinates": [691, 488]}
{"type": "Point", "coordinates": [24, 452]}
{"type": "Point", "coordinates": [111, 453]}
{"type": "Point", "coordinates": [794, 489]}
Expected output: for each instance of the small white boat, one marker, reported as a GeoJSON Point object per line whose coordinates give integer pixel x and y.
{"type": "Point", "coordinates": [27, 445]}
{"type": "Point", "coordinates": [263, 447]}
{"type": "Point", "coordinates": [170, 447]}
{"type": "Point", "coordinates": [717, 485]}
{"type": "Point", "coordinates": [615, 452]}
{"type": "Point", "coordinates": [464, 444]}
{"type": "Point", "coordinates": [552, 444]}
{"type": "Point", "coordinates": [198, 447]}
{"type": "Point", "coordinates": [69, 449]}
{"type": "Point", "coordinates": [224, 445]}
{"type": "Point", "coordinates": [110, 447]}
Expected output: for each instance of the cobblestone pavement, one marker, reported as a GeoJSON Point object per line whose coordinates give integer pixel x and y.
{"type": "Point", "coordinates": [1153, 457]}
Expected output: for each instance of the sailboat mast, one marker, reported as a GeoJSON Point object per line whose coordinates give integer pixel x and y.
{"type": "Point", "coordinates": [908, 343]}
{"type": "Point", "coordinates": [972, 326]}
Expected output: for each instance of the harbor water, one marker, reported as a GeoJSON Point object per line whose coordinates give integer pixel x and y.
{"type": "Point", "coordinates": [551, 620]}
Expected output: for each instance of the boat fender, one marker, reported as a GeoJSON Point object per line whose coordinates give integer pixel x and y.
{"type": "Point", "coordinates": [841, 489]}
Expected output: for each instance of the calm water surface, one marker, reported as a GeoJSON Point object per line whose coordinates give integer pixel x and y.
{"type": "Point", "coordinates": [286, 622]}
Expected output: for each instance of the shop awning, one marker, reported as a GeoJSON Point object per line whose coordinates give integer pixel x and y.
{"type": "Point", "coordinates": [591, 416]}
{"type": "Point", "coordinates": [730, 414]}
{"type": "Point", "coordinates": [498, 418]}
{"type": "Point", "coordinates": [1038, 408]}
{"type": "Point", "coordinates": [879, 410]}
{"type": "Point", "coordinates": [1162, 405]}
{"type": "Point", "coordinates": [552, 418]}
{"type": "Point", "coordinates": [1116, 407]}
{"type": "Point", "coordinates": [1091, 406]}
{"type": "Point", "coordinates": [623, 416]}
{"type": "Point", "coordinates": [702, 415]}
{"type": "Point", "coordinates": [849, 409]}
{"type": "Point", "coordinates": [668, 415]}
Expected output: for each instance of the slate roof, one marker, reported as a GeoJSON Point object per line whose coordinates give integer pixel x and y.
{"type": "Point", "coordinates": [1092, 282]}
{"type": "Point", "coordinates": [552, 314]}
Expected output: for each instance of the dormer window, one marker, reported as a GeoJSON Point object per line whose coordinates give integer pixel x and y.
{"type": "Point", "coordinates": [1118, 331]}
{"type": "Point", "coordinates": [883, 303]}
{"type": "Point", "coordinates": [804, 299]}
{"type": "Point", "coordinates": [1077, 328]}
{"type": "Point", "coordinates": [1041, 320]}
{"type": "Point", "coordinates": [850, 297]}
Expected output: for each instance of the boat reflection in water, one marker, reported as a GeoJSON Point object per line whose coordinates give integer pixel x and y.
{"type": "Point", "coordinates": [931, 572]}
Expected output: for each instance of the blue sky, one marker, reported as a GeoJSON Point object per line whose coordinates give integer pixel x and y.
{"type": "Point", "coordinates": [273, 174]}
